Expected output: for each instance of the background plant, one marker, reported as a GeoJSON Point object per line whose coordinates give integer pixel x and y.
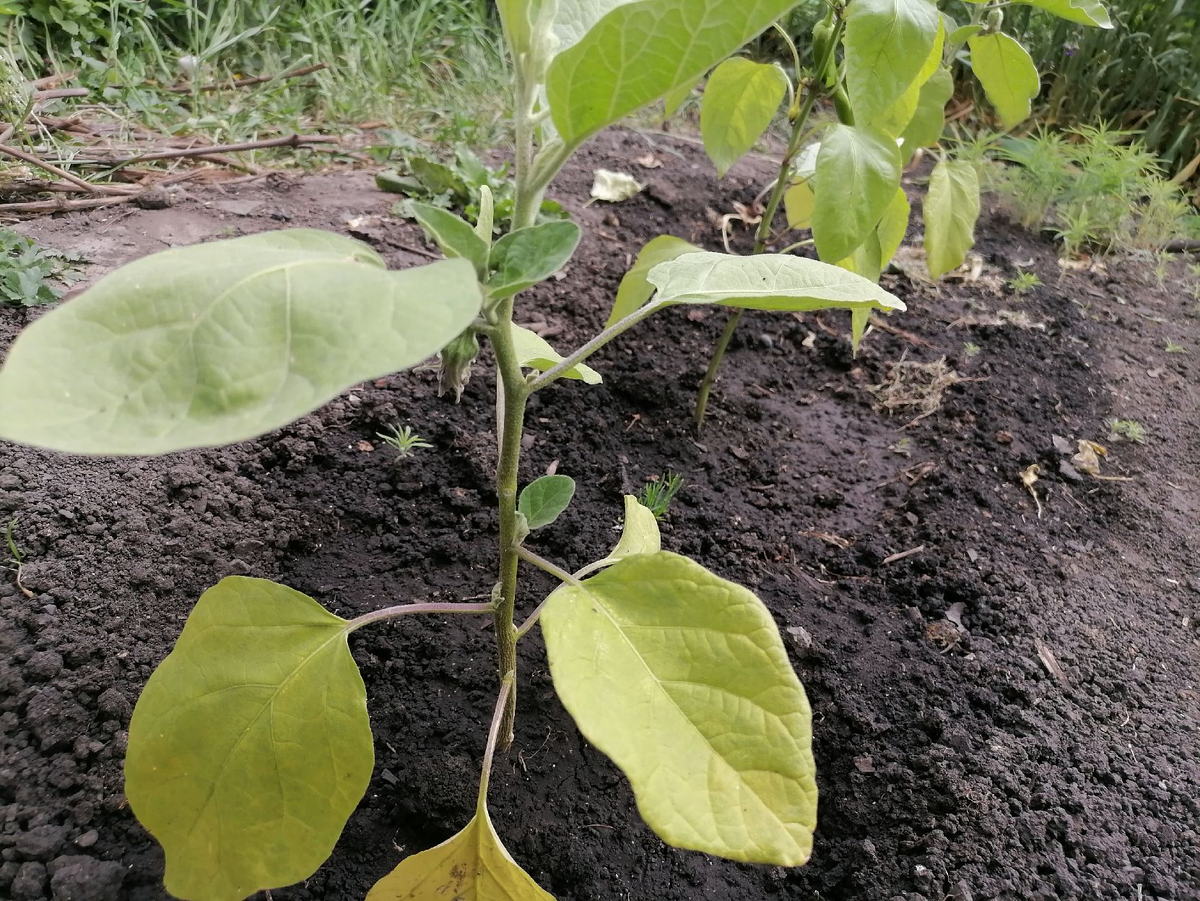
{"type": "Point", "coordinates": [29, 271]}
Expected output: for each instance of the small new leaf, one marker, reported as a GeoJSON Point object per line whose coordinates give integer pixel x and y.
{"type": "Point", "coordinates": [635, 291]}
{"type": "Point", "coordinates": [545, 499]}
{"type": "Point", "coordinates": [523, 258]}
{"type": "Point", "coordinates": [1008, 75]}
{"type": "Point", "coordinates": [951, 208]}
{"type": "Point", "coordinates": [535, 352]}
{"type": "Point", "coordinates": [717, 745]}
{"type": "Point", "coordinates": [454, 236]}
{"type": "Point", "coordinates": [250, 745]}
{"type": "Point", "coordinates": [740, 101]}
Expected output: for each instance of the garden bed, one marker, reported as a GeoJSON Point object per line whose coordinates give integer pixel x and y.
{"type": "Point", "coordinates": [1044, 748]}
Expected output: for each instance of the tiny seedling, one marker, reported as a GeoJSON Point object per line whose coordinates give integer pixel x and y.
{"type": "Point", "coordinates": [1129, 429]}
{"type": "Point", "coordinates": [1172, 348]}
{"type": "Point", "coordinates": [28, 270]}
{"type": "Point", "coordinates": [1023, 282]}
{"type": "Point", "coordinates": [971, 349]}
{"type": "Point", "coordinates": [658, 493]}
{"type": "Point", "coordinates": [403, 440]}
{"type": "Point", "coordinates": [16, 557]}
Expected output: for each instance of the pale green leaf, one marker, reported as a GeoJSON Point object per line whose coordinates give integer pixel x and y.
{"type": "Point", "coordinates": [766, 282]}
{"type": "Point", "coordinates": [799, 202]}
{"type": "Point", "coordinates": [1082, 12]}
{"type": "Point", "coordinates": [1007, 73]}
{"type": "Point", "coordinates": [471, 866]}
{"type": "Point", "coordinates": [893, 226]}
{"type": "Point", "coordinates": [681, 678]}
{"type": "Point", "coordinates": [858, 170]}
{"type": "Point", "coordinates": [866, 260]}
{"type": "Point", "coordinates": [544, 500]}
{"type": "Point", "coordinates": [951, 208]}
{"type": "Point", "coordinates": [453, 235]}
{"type": "Point", "coordinates": [640, 533]}
{"type": "Point", "coordinates": [221, 342]}
{"type": "Point", "coordinates": [523, 258]}
{"type": "Point", "coordinates": [615, 187]}
{"type": "Point", "coordinates": [959, 36]}
{"type": "Point", "coordinates": [250, 745]}
{"type": "Point", "coordinates": [520, 19]}
{"type": "Point", "coordinates": [535, 352]}
{"type": "Point", "coordinates": [675, 98]}
{"type": "Point", "coordinates": [635, 291]}
{"type": "Point", "coordinates": [896, 117]}
{"type": "Point", "coordinates": [929, 119]}
{"type": "Point", "coordinates": [633, 53]}
{"type": "Point", "coordinates": [740, 100]}
{"type": "Point", "coordinates": [887, 43]}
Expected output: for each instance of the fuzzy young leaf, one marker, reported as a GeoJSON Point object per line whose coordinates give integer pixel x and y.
{"type": "Point", "coordinates": [1008, 75]}
{"type": "Point", "coordinates": [1081, 12]}
{"type": "Point", "coordinates": [681, 678]}
{"type": "Point", "coordinates": [545, 499]}
{"type": "Point", "coordinates": [635, 290]}
{"type": "Point", "coordinates": [471, 866]}
{"type": "Point", "coordinates": [633, 53]}
{"type": "Point", "coordinates": [928, 121]}
{"type": "Point", "coordinates": [740, 101]}
{"type": "Point", "coordinates": [887, 43]}
{"type": "Point", "coordinates": [858, 170]}
{"type": "Point", "coordinates": [453, 235]}
{"type": "Point", "coordinates": [799, 203]}
{"type": "Point", "coordinates": [221, 342]}
{"type": "Point", "coordinates": [534, 352]}
{"type": "Point", "coordinates": [766, 282]}
{"type": "Point", "coordinates": [250, 745]}
{"type": "Point", "coordinates": [523, 258]}
{"type": "Point", "coordinates": [951, 207]}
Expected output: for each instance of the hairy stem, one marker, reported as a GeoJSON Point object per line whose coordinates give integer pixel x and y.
{"type": "Point", "coordinates": [387, 613]}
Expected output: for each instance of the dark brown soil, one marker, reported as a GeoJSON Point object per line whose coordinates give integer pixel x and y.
{"type": "Point", "coordinates": [952, 764]}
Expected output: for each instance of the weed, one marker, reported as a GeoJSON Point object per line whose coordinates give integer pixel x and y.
{"type": "Point", "coordinates": [28, 270]}
{"type": "Point", "coordinates": [1173, 348]}
{"type": "Point", "coordinates": [971, 349]}
{"type": "Point", "coordinates": [1023, 282]}
{"type": "Point", "coordinates": [658, 493]}
{"type": "Point", "coordinates": [403, 440]}
{"type": "Point", "coordinates": [1129, 429]}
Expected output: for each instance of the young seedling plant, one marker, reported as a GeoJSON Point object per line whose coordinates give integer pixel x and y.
{"type": "Point", "coordinates": [250, 745]}
{"type": "Point", "coordinates": [841, 180]}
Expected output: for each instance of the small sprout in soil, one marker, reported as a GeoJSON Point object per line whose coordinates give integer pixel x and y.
{"type": "Point", "coordinates": [403, 440]}
{"type": "Point", "coordinates": [903, 447]}
{"type": "Point", "coordinates": [659, 492]}
{"type": "Point", "coordinates": [1173, 348]}
{"type": "Point", "coordinates": [1129, 429]}
{"type": "Point", "coordinates": [16, 557]}
{"type": "Point", "coordinates": [1162, 268]}
{"type": "Point", "coordinates": [1023, 282]}
{"type": "Point", "coordinates": [971, 349]}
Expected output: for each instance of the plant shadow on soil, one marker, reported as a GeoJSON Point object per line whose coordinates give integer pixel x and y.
{"type": "Point", "coordinates": [952, 762]}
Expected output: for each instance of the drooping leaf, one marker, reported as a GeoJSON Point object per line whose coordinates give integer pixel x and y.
{"type": "Point", "coordinates": [1081, 12]}
{"type": "Point", "coordinates": [799, 203]}
{"type": "Point", "coordinates": [453, 235]}
{"type": "Point", "coordinates": [681, 678]}
{"type": "Point", "coordinates": [887, 43]}
{"type": "Point", "coordinates": [544, 500]}
{"type": "Point", "coordinates": [527, 256]}
{"type": "Point", "coordinates": [635, 290]}
{"type": "Point", "coordinates": [471, 866]}
{"type": "Point", "coordinates": [633, 53]}
{"type": "Point", "coordinates": [951, 208]}
{"type": "Point", "coordinates": [1007, 73]}
{"type": "Point", "coordinates": [535, 352]}
{"type": "Point", "coordinates": [896, 117]}
{"type": "Point", "coordinates": [858, 170]}
{"type": "Point", "coordinates": [220, 342]}
{"type": "Point", "coordinates": [766, 282]}
{"type": "Point", "coordinates": [250, 745]}
{"type": "Point", "coordinates": [640, 533]}
{"type": "Point", "coordinates": [929, 119]}
{"type": "Point", "coordinates": [893, 225]}
{"type": "Point", "coordinates": [740, 100]}
{"type": "Point", "coordinates": [615, 187]}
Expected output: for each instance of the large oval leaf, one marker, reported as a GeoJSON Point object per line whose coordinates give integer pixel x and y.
{"type": "Point", "coordinates": [220, 342]}
{"type": "Point", "coordinates": [637, 52]}
{"type": "Point", "coordinates": [951, 207]}
{"type": "Point", "coordinates": [250, 745]}
{"type": "Point", "coordinates": [766, 282]}
{"type": "Point", "coordinates": [858, 171]}
{"type": "Point", "coordinates": [740, 100]}
{"type": "Point", "coordinates": [887, 43]}
{"type": "Point", "coordinates": [634, 290]}
{"type": "Point", "coordinates": [682, 679]}
{"type": "Point", "coordinates": [1007, 73]}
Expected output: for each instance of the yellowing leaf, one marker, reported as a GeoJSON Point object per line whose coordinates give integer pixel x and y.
{"type": "Point", "coordinates": [896, 117]}
{"type": "Point", "coordinates": [887, 44]}
{"type": "Point", "coordinates": [866, 261]}
{"type": "Point", "coordinates": [799, 203]}
{"type": "Point", "coordinates": [858, 170]}
{"type": "Point", "coordinates": [1008, 75]}
{"type": "Point", "coordinates": [740, 101]}
{"type": "Point", "coordinates": [893, 226]}
{"type": "Point", "coordinates": [681, 678]}
{"type": "Point", "coordinates": [220, 342]}
{"type": "Point", "coordinates": [635, 290]}
{"type": "Point", "coordinates": [250, 745]}
{"type": "Point", "coordinates": [929, 119]}
{"type": "Point", "coordinates": [615, 187]}
{"type": "Point", "coordinates": [951, 207]}
{"type": "Point", "coordinates": [535, 352]}
{"type": "Point", "coordinates": [471, 866]}
{"type": "Point", "coordinates": [640, 533]}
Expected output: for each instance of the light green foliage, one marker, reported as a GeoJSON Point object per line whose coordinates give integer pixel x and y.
{"type": "Point", "coordinates": [545, 499]}
{"type": "Point", "coordinates": [951, 209]}
{"type": "Point", "coordinates": [887, 43]}
{"type": "Point", "coordinates": [1081, 12]}
{"type": "Point", "coordinates": [717, 745]}
{"type": "Point", "coordinates": [657, 496]}
{"type": "Point", "coordinates": [740, 100]}
{"type": "Point", "coordinates": [250, 745]}
{"type": "Point", "coordinates": [1172, 347]}
{"type": "Point", "coordinates": [858, 170]}
{"type": "Point", "coordinates": [635, 290]}
{"type": "Point", "coordinates": [893, 225]}
{"type": "Point", "coordinates": [971, 349]}
{"type": "Point", "coordinates": [453, 235]}
{"type": "Point", "coordinates": [640, 533]}
{"type": "Point", "coordinates": [221, 342]}
{"type": "Point", "coordinates": [534, 352]}
{"type": "Point", "coordinates": [799, 203]}
{"type": "Point", "coordinates": [641, 51]}
{"type": "Point", "coordinates": [1129, 429]}
{"type": "Point", "coordinates": [28, 270]}
{"type": "Point", "coordinates": [525, 257]}
{"type": "Point", "coordinates": [1007, 73]}
{"type": "Point", "coordinates": [929, 118]}
{"type": "Point", "coordinates": [403, 440]}
{"type": "Point", "coordinates": [1023, 282]}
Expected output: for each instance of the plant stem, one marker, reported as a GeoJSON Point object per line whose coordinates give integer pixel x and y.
{"type": "Point", "coordinates": [763, 236]}
{"type": "Point", "coordinates": [407, 609]}
{"type": "Point", "coordinates": [568, 363]}
{"type": "Point", "coordinates": [507, 689]}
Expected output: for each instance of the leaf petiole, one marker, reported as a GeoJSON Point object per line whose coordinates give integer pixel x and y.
{"type": "Point", "coordinates": [485, 775]}
{"type": "Point", "coordinates": [546, 566]}
{"type": "Point", "coordinates": [387, 613]}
